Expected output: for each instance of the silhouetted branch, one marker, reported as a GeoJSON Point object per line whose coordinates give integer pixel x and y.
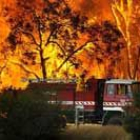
{"type": "Point", "coordinates": [47, 58]}
{"type": "Point", "coordinates": [74, 52]}
{"type": "Point", "coordinates": [1, 70]}
{"type": "Point", "coordinates": [25, 69]}
{"type": "Point", "coordinates": [54, 42]}
{"type": "Point", "coordinates": [136, 63]}
{"type": "Point", "coordinates": [48, 39]}
{"type": "Point", "coordinates": [31, 35]}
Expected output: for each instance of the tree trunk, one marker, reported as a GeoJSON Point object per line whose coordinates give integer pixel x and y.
{"type": "Point", "coordinates": [43, 67]}
{"type": "Point", "coordinates": [136, 64]}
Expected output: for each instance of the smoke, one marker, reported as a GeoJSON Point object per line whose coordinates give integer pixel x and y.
{"type": "Point", "coordinates": [4, 30]}
{"type": "Point", "coordinates": [93, 8]}
{"type": "Point", "coordinates": [4, 27]}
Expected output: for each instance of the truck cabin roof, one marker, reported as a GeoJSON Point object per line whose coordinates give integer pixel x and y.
{"type": "Point", "coordinates": [122, 81]}
{"type": "Point", "coordinates": [51, 80]}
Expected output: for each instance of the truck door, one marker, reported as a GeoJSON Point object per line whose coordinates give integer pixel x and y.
{"type": "Point", "coordinates": [99, 101]}
{"type": "Point", "coordinates": [109, 93]}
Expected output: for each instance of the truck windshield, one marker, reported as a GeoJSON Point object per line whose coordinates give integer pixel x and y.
{"type": "Point", "coordinates": [123, 89]}
{"type": "Point", "coordinates": [110, 89]}
{"type": "Point", "coordinates": [135, 88]}
{"type": "Point", "coordinates": [118, 89]}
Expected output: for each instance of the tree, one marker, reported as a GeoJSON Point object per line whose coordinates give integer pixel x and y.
{"type": "Point", "coordinates": [48, 39]}
{"type": "Point", "coordinates": [132, 117]}
{"type": "Point", "coordinates": [37, 25]}
{"type": "Point", "coordinates": [126, 14]}
{"type": "Point", "coordinates": [108, 44]}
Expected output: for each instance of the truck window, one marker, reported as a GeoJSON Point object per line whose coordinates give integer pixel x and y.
{"type": "Point", "coordinates": [110, 89]}
{"type": "Point", "coordinates": [121, 89]}
{"type": "Point", "coordinates": [129, 91]}
{"type": "Point", "coordinates": [135, 88]}
{"type": "Point", "coordinates": [124, 89]}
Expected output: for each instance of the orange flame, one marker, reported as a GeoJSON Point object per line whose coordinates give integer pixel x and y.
{"type": "Point", "coordinates": [11, 70]}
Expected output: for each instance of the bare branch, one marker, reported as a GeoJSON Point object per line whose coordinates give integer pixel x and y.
{"type": "Point", "coordinates": [136, 63]}
{"type": "Point", "coordinates": [54, 42]}
{"type": "Point", "coordinates": [39, 28]}
{"type": "Point", "coordinates": [45, 59]}
{"type": "Point", "coordinates": [31, 35]}
{"type": "Point", "coordinates": [74, 52]}
{"type": "Point", "coordinates": [48, 39]}
{"type": "Point", "coordinates": [25, 69]}
{"type": "Point", "coordinates": [1, 70]}
{"type": "Point", "coordinates": [39, 31]}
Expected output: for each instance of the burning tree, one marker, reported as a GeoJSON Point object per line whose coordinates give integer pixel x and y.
{"type": "Point", "coordinates": [127, 15]}
{"type": "Point", "coordinates": [39, 26]}
{"type": "Point", "coordinates": [113, 45]}
{"type": "Point", "coordinates": [48, 39]}
{"type": "Point", "coordinates": [103, 53]}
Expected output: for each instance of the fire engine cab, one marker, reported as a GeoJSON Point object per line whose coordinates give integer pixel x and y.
{"type": "Point", "coordinates": [100, 100]}
{"type": "Point", "coordinates": [118, 93]}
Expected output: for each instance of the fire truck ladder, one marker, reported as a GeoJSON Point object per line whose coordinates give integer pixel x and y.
{"type": "Point", "coordinates": [79, 115]}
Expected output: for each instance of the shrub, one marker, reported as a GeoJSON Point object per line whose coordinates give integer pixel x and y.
{"type": "Point", "coordinates": [26, 118]}
{"type": "Point", "coordinates": [132, 118]}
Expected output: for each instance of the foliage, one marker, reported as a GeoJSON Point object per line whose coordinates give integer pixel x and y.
{"type": "Point", "coordinates": [132, 119]}
{"type": "Point", "coordinates": [108, 43]}
{"type": "Point", "coordinates": [26, 118]}
{"type": "Point", "coordinates": [126, 14]}
{"type": "Point", "coordinates": [35, 25]}
{"type": "Point", "coordinates": [107, 39]}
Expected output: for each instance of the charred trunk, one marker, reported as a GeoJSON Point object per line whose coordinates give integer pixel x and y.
{"type": "Point", "coordinates": [43, 67]}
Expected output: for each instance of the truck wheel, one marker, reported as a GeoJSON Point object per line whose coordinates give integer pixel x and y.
{"type": "Point", "coordinates": [115, 121]}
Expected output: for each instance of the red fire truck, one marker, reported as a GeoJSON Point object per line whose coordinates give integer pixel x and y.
{"type": "Point", "coordinates": [99, 101]}
{"type": "Point", "coordinates": [118, 93]}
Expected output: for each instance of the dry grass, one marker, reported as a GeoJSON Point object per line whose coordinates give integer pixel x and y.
{"type": "Point", "coordinates": [95, 132]}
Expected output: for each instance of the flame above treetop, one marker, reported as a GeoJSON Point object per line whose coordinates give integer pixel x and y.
{"type": "Point", "coordinates": [63, 39]}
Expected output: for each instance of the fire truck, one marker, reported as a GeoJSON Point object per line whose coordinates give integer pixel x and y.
{"type": "Point", "coordinates": [100, 100]}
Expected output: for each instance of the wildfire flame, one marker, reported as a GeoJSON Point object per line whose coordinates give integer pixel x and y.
{"type": "Point", "coordinates": [11, 72]}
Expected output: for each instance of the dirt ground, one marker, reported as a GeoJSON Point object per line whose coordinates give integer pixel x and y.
{"type": "Point", "coordinates": [94, 132]}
